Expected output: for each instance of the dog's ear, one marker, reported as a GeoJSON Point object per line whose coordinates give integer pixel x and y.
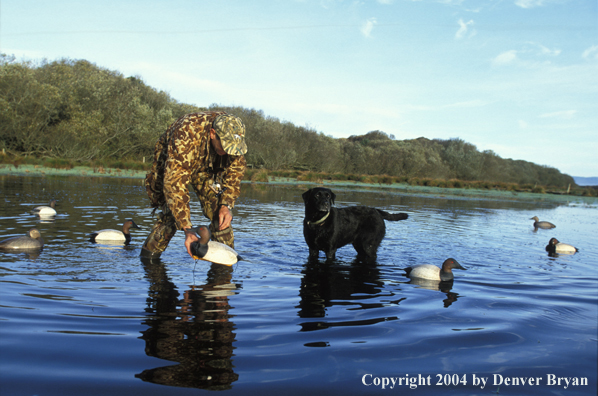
{"type": "Point", "coordinates": [333, 197]}
{"type": "Point", "coordinates": [306, 195]}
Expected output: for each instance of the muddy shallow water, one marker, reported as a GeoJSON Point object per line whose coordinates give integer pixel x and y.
{"type": "Point", "coordinates": [84, 318]}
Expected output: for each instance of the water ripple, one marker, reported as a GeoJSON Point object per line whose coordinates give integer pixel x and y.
{"type": "Point", "coordinates": [82, 315]}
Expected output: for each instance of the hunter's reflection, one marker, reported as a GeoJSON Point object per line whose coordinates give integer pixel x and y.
{"type": "Point", "coordinates": [194, 331]}
{"type": "Point", "coordinates": [325, 285]}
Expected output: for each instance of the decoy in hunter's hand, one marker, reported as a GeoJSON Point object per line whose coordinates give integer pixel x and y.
{"type": "Point", "coordinates": [432, 272]}
{"type": "Point", "coordinates": [32, 241]}
{"type": "Point", "coordinates": [212, 251]}
{"type": "Point", "coordinates": [43, 211]}
{"type": "Point", "coordinates": [554, 246]}
{"type": "Point", "coordinates": [114, 236]}
{"type": "Point", "coordinates": [542, 224]}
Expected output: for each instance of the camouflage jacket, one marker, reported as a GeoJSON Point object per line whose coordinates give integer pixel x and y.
{"type": "Point", "coordinates": [183, 155]}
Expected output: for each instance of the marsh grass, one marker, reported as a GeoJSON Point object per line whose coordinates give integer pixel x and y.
{"type": "Point", "coordinates": [117, 167]}
{"type": "Point", "coordinates": [263, 175]}
{"type": "Point", "coordinates": [62, 163]}
{"type": "Point", "coordinates": [260, 175]}
{"type": "Point", "coordinates": [58, 163]}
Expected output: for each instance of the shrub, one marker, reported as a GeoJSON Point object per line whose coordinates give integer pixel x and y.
{"type": "Point", "coordinates": [260, 176]}
{"type": "Point", "coordinates": [386, 179]}
{"type": "Point", "coordinates": [58, 163]}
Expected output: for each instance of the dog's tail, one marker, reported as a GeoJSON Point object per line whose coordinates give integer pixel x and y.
{"type": "Point", "coordinates": [392, 216]}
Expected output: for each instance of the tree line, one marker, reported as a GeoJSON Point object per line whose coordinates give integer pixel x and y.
{"type": "Point", "coordinates": [75, 110]}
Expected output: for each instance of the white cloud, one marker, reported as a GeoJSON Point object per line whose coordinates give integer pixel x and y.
{"type": "Point", "coordinates": [466, 104]}
{"type": "Point", "coordinates": [368, 26]}
{"type": "Point", "coordinates": [591, 53]}
{"type": "Point", "coordinates": [451, 2]}
{"type": "Point", "coordinates": [464, 28]}
{"type": "Point", "coordinates": [565, 115]}
{"type": "Point", "coordinates": [529, 3]}
{"type": "Point", "coordinates": [531, 55]}
{"type": "Point", "coordinates": [547, 51]}
{"type": "Point", "coordinates": [505, 58]}
{"type": "Point", "coordinates": [522, 124]}
{"type": "Point", "coordinates": [328, 3]}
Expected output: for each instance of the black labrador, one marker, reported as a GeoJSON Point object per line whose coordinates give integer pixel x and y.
{"type": "Point", "coordinates": [327, 228]}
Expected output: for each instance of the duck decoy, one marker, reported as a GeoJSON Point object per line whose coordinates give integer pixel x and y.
{"type": "Point", "coordinates": [32, 241]}
{"type": "Point", "coordinates": [114, 235]}
{"type": "Point", "coordinates": [542, 224]}
{"type": "Point", "coordinates": [49, 210]}
{"type": "Point", "coordinates": [554, 246]}
{"type": "Point", "coordinates": [432, 272]}
{"type": "Point", "coordinates": [212, 251]}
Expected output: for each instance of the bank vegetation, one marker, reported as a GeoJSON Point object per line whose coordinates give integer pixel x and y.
{"type": "Point", "coordinates": [74, 112]}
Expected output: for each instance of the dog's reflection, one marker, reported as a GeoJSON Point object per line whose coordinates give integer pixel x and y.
{"type": "Point", "coordinates": [194, 330]}
{"type": "Point", "coordinates": [325, 285]}
{"type": "Point", "coordinates": [356, 286]}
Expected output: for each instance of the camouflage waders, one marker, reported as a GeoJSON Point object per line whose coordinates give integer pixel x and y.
{"type": "Point", "coordinates": [209, 197]}
{"type": "Point", "coordinates": [165, 227]}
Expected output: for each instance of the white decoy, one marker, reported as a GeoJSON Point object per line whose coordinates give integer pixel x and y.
{"type": "Point", "coordinates": [546, 225]}
{"type": "Point", "coordinates": [113, 236]}
{"type": "Point", "coordinates": [32, 241]}
{"type": "Point", "coordinates": [212, 251]}
{"type": "Point", "coordinates": [432, 272]}
{"type": "Point", "coordinates": [554, 246]}
{"type": "Point", "coordinates": [44, 211]}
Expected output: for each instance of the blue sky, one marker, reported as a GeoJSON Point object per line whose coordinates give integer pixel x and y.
{"type": "Point", "coordinates": [519, 77]}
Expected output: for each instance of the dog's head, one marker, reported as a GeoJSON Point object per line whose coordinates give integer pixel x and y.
{"type": "Point", "coordinates": [318, 199]}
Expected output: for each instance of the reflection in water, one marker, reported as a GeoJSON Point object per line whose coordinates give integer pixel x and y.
{"type": "Point", "coordinates": [27, 254]}
{"type": "Point", "coordinates": [194, 330]}
{"type": "Point", "coordinates": [325, 285]}
{"type": "Point", "coordinates": [443, 286]}
{"type": "Point", "coordinates": [43, 219]}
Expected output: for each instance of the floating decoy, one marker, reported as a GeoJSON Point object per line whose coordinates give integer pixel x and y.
{"type": "Point", "coordinates": [49, 210]}
{"type": "Point", "coordinates": [32, 241]}
{"type": "Point", "coordinates": [554, 246]}
{"type": "Point", "coordinates": [432, 272]}
{"type": "Point", "coordinates": [114, 235]}
{"type": "Point", "coordinates": [542, 224]}
{"type": "Point", "coordinates": [212, 251]}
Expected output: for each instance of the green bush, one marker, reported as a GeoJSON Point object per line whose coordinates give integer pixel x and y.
{"type": "Point", "coordinates": [58, 163]}
{"type": "Point", "coordinates": [260, 176]}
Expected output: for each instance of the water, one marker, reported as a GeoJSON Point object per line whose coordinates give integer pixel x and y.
{"type": "Point", "coordinates": [83, 318]}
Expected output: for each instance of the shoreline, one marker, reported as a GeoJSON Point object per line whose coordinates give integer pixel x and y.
{"type": "Point", "coordinates": [83, 171]}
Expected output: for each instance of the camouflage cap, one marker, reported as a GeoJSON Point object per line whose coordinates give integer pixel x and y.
{"type": "Point", "coordinates": [231, 131]}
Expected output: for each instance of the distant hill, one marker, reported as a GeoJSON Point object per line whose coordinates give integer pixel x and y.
{"type": "Point", "coordinates": [586, 181]}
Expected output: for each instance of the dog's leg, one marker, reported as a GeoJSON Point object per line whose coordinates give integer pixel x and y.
{"type": "Point", "coordinates": [367, 252]}
{"type": "Point", "coordinates": [313, 253]}
{"type": "Point", "coordinates": [367, 246]}
{"type": "Point", "coordinates": [330, 255]}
